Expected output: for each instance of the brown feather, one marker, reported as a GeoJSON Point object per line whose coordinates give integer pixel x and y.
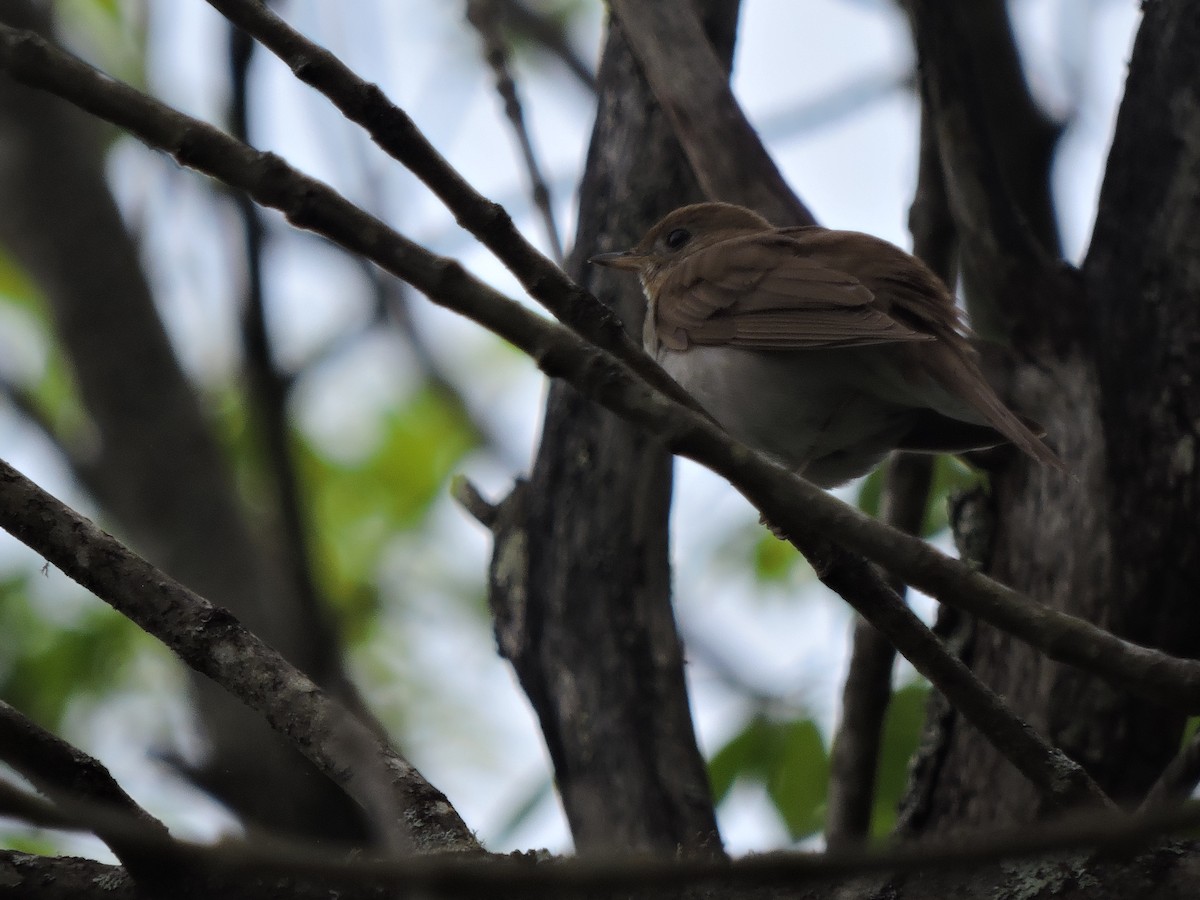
{"type": "Point", "coordinates": [719, 275]}
{"type": "Point", "coordinates": [726, 292]}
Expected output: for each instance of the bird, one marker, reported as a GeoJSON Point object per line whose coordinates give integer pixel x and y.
{"type": "Point", "coordinates": [824, 349]}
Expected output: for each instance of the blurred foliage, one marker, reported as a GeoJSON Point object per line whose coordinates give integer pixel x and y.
{"type": "Point", "coordinates": [776, 560]}
{"type": "Point", "coordinates": [46, 663]}
{"type": "Point", "coordinates": [111, 33]}
{"type": "Point", "coordinates": [48, 385]}
{"type": "Point", "coordinates": [790, 759]}
{"type": "Point", "coordinates": [949, 474]}
{"type": "Point", "coordinates": [559, 15]}
{"type": "Point", "coordinates": [358, 506]}
{"type": "Point", "coordinates": [33, 841]}
{"type": "Point", "coordinates": [901, 735]}
{"type": "Point", "coordinates": [1189, 730]}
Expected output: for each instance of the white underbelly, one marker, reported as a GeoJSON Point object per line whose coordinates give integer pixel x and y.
{"type": "Point", "coordinates": [817, 411]}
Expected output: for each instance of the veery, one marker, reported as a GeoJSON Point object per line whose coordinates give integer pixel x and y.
{"type": "Point", "coordinates": [826, 349]}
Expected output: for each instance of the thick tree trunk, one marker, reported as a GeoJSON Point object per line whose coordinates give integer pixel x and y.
{"type": "Point", "coordinates": [1110, 366]}
{"type": "Point", "coordinates": [580, 575]}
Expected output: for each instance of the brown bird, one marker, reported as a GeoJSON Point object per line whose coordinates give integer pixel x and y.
{"type": "Point", "coordinates": [826, 349]}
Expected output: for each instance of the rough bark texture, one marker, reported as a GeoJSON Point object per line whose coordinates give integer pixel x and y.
{"type": "Point", "coordinates": [581, 583]}
{"type": "Point", "coordinates": [1109, 365]}
{"type": "Point", "coordinates": [150, 457]}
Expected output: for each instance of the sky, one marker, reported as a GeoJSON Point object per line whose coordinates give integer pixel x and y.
{"type": "Point", "coordinates": [854, 166]}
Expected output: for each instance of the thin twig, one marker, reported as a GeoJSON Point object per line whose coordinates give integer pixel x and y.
{"type": "Point", "coordinates": [269, 388]}
{"type": "Point", "coordinates": [1064, 782]}
{"type": "Point", "coordinates": [484, 16]}
{"type": "Point", "coordinates": [470, 499]}
{"type": "Point", "coordinates": [396, 133]}
{"type": "Point", "coordinates": [540, 28]}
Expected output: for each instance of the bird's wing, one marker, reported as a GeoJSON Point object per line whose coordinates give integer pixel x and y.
{"type": "Point", "coordinates": [761, 291]}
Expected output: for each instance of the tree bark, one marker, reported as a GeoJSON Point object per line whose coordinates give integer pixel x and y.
{"type": "Point", "coordinates": [580, 575]}
{"type": "Point", "coordinates": [1109, 366]}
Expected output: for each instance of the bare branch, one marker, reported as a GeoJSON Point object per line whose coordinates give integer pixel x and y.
{"type": "Point", "coordinates": [522, 20]}
{"type": "Point", "coordinates": [268, 389]}
{"type": "Point", "coordinates": [484, 15]}
{"type": "Point", "coordinates": [601, 875]}
{"type": "Point", "coordinates": [470, 499]}
{"type": "Point", "coordinates": [692, 86]}
{"type": "Point", "coordinates": [211, 641]}
{"type": "Point", "coordinates": [65, 774]}
{"type": "Point", "coordinates": [1059, 778]}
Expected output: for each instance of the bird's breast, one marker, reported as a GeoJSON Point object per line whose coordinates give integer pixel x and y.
{"type": "Point", "coordinates": [815, 410]}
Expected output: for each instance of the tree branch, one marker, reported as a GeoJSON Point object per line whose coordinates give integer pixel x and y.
{"type": "Point", "coordinates": [231, 864]}
{"type": "Point", "coordinates": [484, 16]}
{"type": "Point", "coordinates": [268, 398]}
{"type": "Point", "coordinates": [212, 642]}
{"type": "Point", "coordinates": [65, 774]}
{"type": "Point", "coordinates": [542, 29]}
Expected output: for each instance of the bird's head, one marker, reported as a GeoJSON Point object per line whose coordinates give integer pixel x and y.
{"type": "Point", "coordinates": [680, 234]}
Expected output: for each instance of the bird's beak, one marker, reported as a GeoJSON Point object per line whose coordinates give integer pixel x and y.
{"type": "Point", "coordinates": [619, 259]}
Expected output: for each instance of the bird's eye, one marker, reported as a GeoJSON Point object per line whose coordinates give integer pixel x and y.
{"type": "Point", "coordinates": [677, 238]}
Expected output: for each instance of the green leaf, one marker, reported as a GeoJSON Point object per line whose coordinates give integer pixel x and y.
{"type": "Point", "coordinates": [949, 474]}
{"type": "Point", "coordinates": [48, 664]}
{"type": "Point", "coordinates": [871, 493]}
{"type": "Point", "coordinates": [901, 735]}
{"type": "Point", "coordinates": [112, 30]}
{"type": "Point", "coordinates": [775, 560]}
{"type": "Point", "coordinates": [1190, 727]}
{"type": "Point", "coordinates": [799, 781]}
{"type": "Point", "coordinates": [788, 759]}
{"type": "Point", "coordinates": [741, 757]}
{"type": "Point", "coordinates": [359, 506]}
{"type": "Point", "coordinates": [16, 287]}
{"type": "Point", "coordinates": [52, 390]}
